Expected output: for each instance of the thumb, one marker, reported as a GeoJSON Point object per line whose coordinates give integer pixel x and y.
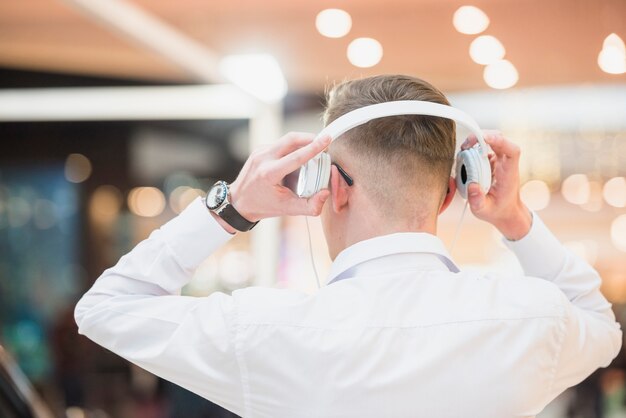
{"type": "Point", "coordinates": [475, 197]}
{"type": "Point", "coordinates": [311, 206]}
{"type": "Point", "coordinates": [316, 202]}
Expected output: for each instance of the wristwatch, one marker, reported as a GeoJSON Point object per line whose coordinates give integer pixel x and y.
{"type": "Point", "coordinates": [218, 201]}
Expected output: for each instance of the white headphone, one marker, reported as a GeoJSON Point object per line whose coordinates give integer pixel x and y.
{"type": "Point", "coordinates": [472, 165]}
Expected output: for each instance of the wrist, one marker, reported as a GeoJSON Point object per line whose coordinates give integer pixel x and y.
{"type": "Point", "coordinates": [517, 225]}
{"type": "Point", "coordinates": [223, 223]}
{"type": "Point", "coordinates": [218, 202]}
{"type": "Point", "coordinates": [238, 204]}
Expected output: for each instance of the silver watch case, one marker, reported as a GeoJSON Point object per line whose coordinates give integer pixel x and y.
{"type": "Point", "coordinates": [218, 197]}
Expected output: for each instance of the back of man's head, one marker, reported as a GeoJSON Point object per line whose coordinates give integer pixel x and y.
{"type": "Point", "coordinates": [402, 162]}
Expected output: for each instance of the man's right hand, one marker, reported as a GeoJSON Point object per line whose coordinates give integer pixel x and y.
{"type": "Point", "coordinates": [258, 193]}
{"type": "Point", "coordinates": [501, 206]}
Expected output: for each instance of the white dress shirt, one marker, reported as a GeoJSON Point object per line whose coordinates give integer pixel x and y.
{"type": "Point", "coordinates": [398, 332]}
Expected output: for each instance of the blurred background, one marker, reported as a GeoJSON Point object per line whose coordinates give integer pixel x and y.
{"type": "Point", "coordinates": [115, 114]}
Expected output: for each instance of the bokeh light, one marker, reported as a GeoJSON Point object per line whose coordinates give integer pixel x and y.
{"type": "Point", "coordinates": [614, 192]}
{"type": "Point", "coordinates": [77, 168]}
{"type": "Point", "coordinates": [146, 201]}
{"type": "Point", "coordinates": [45, 214]}
{"type": "Point", "coordinates": [19, 212]}
{"type": "Point", "coordinates": [500, 75]}
{"type": "Point", "coordinates": [258, 74]}
{"type": "Point", "coordinates": [75, 412]}
{"type": "Point", "coordinates": [575, 189]}
{"type": "Point", "coordinates": [182, 196]}
{"type": "Point", "coordinates": [180, 178]}
{"type": "Point", "coordinates": [365, 52]}
{"type": "Point", "coordinates": [486, 49]}
{"type": "Point", "coordinates": [614, 41]}
{"type": "Point", "coordinates": [105, 204]}
{"type": "Point", "coordinates": [470, 20]}
{"type": "Point", "coordinates": [333, 23]}
{"type": "Point", "coordinates": [612, 57]}
{"type": "Point", "coordinates": [535, 194]}
{"type": "Point", "coordinates": [595, 202]}
{"type": "Point", "coordinates": [618, 232]}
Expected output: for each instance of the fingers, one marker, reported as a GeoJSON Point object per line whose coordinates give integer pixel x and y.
{"type": "Point", "coordinates": [472, 140]}
{"type": "Point", "coordinates": [476, 198]}
{"type": "Point", "coordinates": [469, 142]}
{"type": "Point", "coordinates": [492, 161]}
{"type": "Point", "coordinates": [497, 142]}
{"type": "Point", "coordinates": [258, 188]}
{"type": "Point", "coordinates": [503, 147]}
{"type": "Point", "coordinates": [299, 157]}
{"type": "Point", "coordinates": [311, 206]}
{"type": "Point", "coordinates": [291, 142]}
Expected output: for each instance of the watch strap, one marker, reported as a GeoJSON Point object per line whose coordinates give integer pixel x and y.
{"type": "Point", "coordinates": [234, 219]}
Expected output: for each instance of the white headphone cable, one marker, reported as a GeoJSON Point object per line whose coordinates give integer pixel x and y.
{"type": "Point", "coordinates": [308, 230]}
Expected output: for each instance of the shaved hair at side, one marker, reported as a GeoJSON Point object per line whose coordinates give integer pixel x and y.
{"type": "Point", "coordinates": [402, 162]}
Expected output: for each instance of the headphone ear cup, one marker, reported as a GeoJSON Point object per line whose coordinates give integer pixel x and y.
{"type": "Point", "coordinates": [472, 167]}
{"type": "Point", "coordinates": [324, 173]}
{"type": "Point", "coordinates": [307, 173]}
{"type": "Point", "coordinates": [314, 175]}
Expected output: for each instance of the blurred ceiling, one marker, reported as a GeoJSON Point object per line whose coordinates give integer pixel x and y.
{"type": "Point", "coordinates": [549, 41]}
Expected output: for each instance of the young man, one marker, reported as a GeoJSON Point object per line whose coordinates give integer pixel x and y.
{"type": "Point", "coordinates": [399, 331]}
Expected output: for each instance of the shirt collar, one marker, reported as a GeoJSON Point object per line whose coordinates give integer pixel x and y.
{"type": "Point", "coordinates": [392, 252]}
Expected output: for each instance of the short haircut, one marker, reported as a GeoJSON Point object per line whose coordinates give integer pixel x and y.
{"type": "Point", "coordinates": [413, 152]}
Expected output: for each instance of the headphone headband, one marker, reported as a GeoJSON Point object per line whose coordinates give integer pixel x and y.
{"type": "Point", "coordinates": [402, 107]}
{"type": "Point", "coordinates": [472, 164]}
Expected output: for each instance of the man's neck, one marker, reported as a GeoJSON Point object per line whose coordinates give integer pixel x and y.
{"type": "Point", "coordinates": [366, 227]}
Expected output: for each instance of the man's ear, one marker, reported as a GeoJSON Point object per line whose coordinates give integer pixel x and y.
{"type": "Point", "coordinates": [338, 190]}
{"type": "Point", "coordinates": [449, 195]}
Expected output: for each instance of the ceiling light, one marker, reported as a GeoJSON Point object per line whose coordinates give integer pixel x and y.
{"type": "Point", "coordinates": [365, 52]}
{"type": "Point", "coordinates": [535, 194]}
{"type": "Point", "coordinates": [575, 189]}
{"type": "Point", "coordinates": [258, 74]}
{"type": "Point", "coordinates": [486, 49]}
{"type": "Point", "coordinates": [215, 101]}
{"type": "Point", "coordinates": [333, 23]}
{"type": "Point", "coordinates": [470, 20]}
{"type": "Point", "coordinates": [612, 61]}
{"type": "Point", "coordinates": [500, 74]}
{"type": "Point", "coordinates": [614, 192]}
{"type": "Point", "coordinates": [614, 41]}
{"type": "Point", "coordinates": [618, 232]}
{"type": "Point", "coordinates": [612, 58]}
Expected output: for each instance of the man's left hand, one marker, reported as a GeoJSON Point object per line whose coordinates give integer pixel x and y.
{"type": "Point", "coordinates": [501, 206]}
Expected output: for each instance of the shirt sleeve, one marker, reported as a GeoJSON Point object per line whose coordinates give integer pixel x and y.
{"type": "Point", "coordinates": [134, 309]}
{"type": "Point", "coordinates": [589, 335]}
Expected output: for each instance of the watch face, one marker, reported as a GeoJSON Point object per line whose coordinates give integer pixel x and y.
{"type": "Point", "coordinates": [216, 195]}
